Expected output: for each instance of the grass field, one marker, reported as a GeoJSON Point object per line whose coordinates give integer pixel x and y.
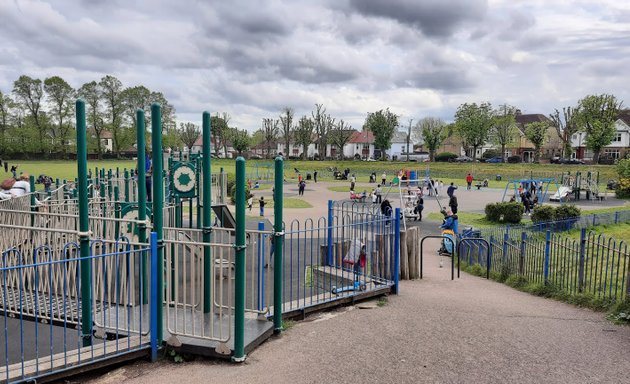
{"type": "Point", "coordinates": [263, 169]}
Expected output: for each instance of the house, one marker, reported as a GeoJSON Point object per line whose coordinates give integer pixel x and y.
{"type": "Point", "coordinates": [266, 149]}
{"type": "Point", "coordinates": [524, 148]}
{"type": "Point", "coordinates": [198, 147]}
{"type": "Point", "coordinates": [360, 145]}
{"type": "Point", "coordinates": [619, 148]}
{"type": "Point", "coordinates": [398, 146]}
{"type": "Point", "coordinates": [107, 141]}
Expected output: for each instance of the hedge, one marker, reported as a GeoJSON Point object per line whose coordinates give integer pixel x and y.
{"type": "Point", "coordinates": [504, 212]}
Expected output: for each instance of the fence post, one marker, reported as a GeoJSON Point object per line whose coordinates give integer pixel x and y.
{"type": "Point", "coordinates": [142, 197]}
{"type": "Point", "coordinates": [261, 266]}
{"type": "Point", "coordinates": [329, 254]}
{"type": "Point", "coordinates": [506, 238]}
{"type": "Point", "coordinates": [84, 227]}
{"type": "Point", "coordinates": [547, 257]}
{"type": "Point", "coordinates": [396, 250]}
{"type": "Point", "coordinates": [594, 220]}
{"type": "Point", "coordinates": [489, 261]}
{"type": "Point", "coordinates": [521, 261]}
{"type": "Point", "coordinates": [278, 244]}
{"type": "Point", "coordinates": [158, 204]}
{"type": "Point", "coordinates": [206, 188]}
{"type": "Point", "coordinates": [239, 283]}
{"type": "Point", "coordinates": [616, 217]}
{"type": "Point", "coordinates": [582, 259]}
{"type": "Point", "coordinates": [154, 304]}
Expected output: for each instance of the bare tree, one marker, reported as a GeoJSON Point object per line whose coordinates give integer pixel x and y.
{"type": "Point", "coordinates": [503, 128]}
{"type": "Point", "coordinates": [286, 119]}
{"type": "Point", "coordinates": [271, 129]}
{"type": "Point", "coordinates": [188, 133]}
{"type": "Point", "coordinates": [566, 125]}
{"type": "Point", "coordinates": [321, 125]}
{"type": "Point", "coordinates": [303, 134]}
{"type": "Point", "coordinates": [339, 135]}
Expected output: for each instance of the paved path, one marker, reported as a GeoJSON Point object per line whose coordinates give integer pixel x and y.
{"type": "Point", "coordinates": [436, 331]}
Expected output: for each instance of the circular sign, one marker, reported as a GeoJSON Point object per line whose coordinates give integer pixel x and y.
{"type": "Point", "coordinates": [184, 179]}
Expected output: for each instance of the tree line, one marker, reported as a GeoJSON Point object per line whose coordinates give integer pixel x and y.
{"type": "Point", "coordinates": [37, 116]}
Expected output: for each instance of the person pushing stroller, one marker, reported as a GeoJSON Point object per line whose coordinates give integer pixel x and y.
{"type": "Point", "coordinates": [450, 228]}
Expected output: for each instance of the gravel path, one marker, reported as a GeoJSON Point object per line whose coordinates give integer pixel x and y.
{"type": "Point", "coordinates": [436, 331]}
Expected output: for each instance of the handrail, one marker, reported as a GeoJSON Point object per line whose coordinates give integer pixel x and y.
{"type": "Point", "coordinates": [471, 239]}
{"type": "Point", "coordinates": [452, 264]}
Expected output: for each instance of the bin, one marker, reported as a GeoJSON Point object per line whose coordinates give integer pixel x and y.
{"type": "Point", "coordinates": [413, 176]}
{"type": "Point", "coordinates": [308, 176]}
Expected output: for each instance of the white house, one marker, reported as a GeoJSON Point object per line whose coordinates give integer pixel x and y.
{"type": "Point", "coordinates": [617, 149]}
{"type": "Point", "coordinates": [360, 145]}
{"type": "Point", "coordinates": [198, 147]}
{"type": "Point", "coordinates": [399, 145]}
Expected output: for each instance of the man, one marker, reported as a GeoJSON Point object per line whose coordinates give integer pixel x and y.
{"type": "Point", "coordinates": [377, 191]}
{"type": "Point", "coordinates": [469, 180]}
{"type": "Point", "coordinates": [418, 209]}
{"type": "Point", "coordinates": [352, 182]}
{"type": "Point", "coordinates": [315, 176]}
{"type": "Point", "coordinates": [450, 190]}
{"type": "Point", "coordinates": [452, 202]}
{"type": "Point", "coordinates": [383, 178]}
{"type": "Point", "coordinates": [148, 168]}
{"type": "Point", "coordinates": [261, 202]}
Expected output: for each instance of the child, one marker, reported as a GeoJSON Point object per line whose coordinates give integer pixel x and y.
{"type": "Point", "coordinates": [261, 202]}
{"type": "Point", "coordinates": [250, 202]}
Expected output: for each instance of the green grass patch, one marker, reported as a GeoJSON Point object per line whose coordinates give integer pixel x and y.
{"type": "Point", "coordinates": [382, 301]}
{"type": "Point", "coordinates": [475, 220]}
{"type": "Point", "coordinates": [339, 188]}
{"type": "Point", "coordinates": [289, 202]}
{"type": "Point", "coordinates": [287, 324]}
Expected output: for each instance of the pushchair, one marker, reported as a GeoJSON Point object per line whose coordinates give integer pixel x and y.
{"type": "Point", "coordinates": [449, 231]}
{"type": "Point", "coordinates": [355, 258]}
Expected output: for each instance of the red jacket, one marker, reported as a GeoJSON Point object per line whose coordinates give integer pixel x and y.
{"type": "Point", "coordinates": [469, 179]}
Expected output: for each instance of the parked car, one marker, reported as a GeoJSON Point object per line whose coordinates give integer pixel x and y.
{"type": "Point", "coordinates": [463, 159]}
{"type": "Point", "coordinates": [612, 184]}
{"type": "Point", "coordinates": [496, 159]}
{"type": "Point", "coordinates": [572, 161]}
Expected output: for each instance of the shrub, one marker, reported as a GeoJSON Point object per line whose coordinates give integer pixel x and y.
{"type": "Point", "coordinates": [504, 212]}
{"type": "Point", "coordinates": [445, 156]}
{"type": "Point", "coordinates": [514, 159]}
{"type": "Point", "coordinates": [567, 211]}
{"type": "Point", "coordinates": [623, 188]}
{"type": "Point", "coordinates": [543, 213]}
{"type": "Point", "coordinates": [232, 190]}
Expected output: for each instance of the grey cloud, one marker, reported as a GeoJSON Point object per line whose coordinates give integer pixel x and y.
{"type": "Point", "coordinates": [446, 80]}
{"type": "Point", "coordinates": [433, 18]}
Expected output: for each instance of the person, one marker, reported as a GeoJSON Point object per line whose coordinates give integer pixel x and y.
{"type": "Point", "coordinates": [301, 188]}
{"type": "Point", "coordinates": [469, 180]}
{"type": "Point", "coordinates": [377, 191]}
{"type": "Point", "coordinates": [256, 185]}
{"type": "Point", "coordinates": [299, 178]}
{"type": "Point", "coordinates": [512, 199]}
{"type": "Point", "coordinates": [6, 166]}
{"type": "Point", "coordinates": [14, 171]}
{"type": "Point", "coordinates": [250, 202]}
{"type": "Point", "coordinates": [386, 209]}
{"type": "Point", "coordinates": [89, 173]}
{"type": "Point", "coordinates": [315, 176]}
{"type": "Point", "coordinates": [526, 203]}
{"type": "Point", "coordinates": [261, 203]}
{"type": "Point", "coordinates": [451, 190]}
{"type": "Point", "coordinates": [383, 179]}
{"type": "Point", "coordinates": [452, 202]}
{"type": "Point", "coordinates": [441, 186]}
{"type": "Point", "coordinates": [449, 227]}
{"type": "Point", "coordinates": [249, 184]}
{"type": "Point", "coordinates": [352, 182]}
{"type": "Point", "coordinates": [418, 209]}
{"type": "Point", "coordinates": [47, 183]}
{"type": "Point", "coordinates": [373, 196]}
{"type": "Point", "coordinates": [485, 183]}
{"type": "Point", "coordinates": [148, 168]}
{"type": "Point", "coordinates": [21, 186]}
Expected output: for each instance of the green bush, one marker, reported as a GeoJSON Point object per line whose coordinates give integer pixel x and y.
{"type": "Point", "coordinates": [566, 211]}
{"type": "Point", "coordinates": [232, 190]}
{"type": "Point", "coordinates": [543, 213]}
{"type": "Point", "coordinates": [504, 212]}
{"type": "Point", "coordinates": [445, 156]}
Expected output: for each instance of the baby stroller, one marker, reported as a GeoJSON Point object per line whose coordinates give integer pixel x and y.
{"type": "Point", "coordinates": [355, 258]}
{"type": "Point", "coordinates": [449, 229]}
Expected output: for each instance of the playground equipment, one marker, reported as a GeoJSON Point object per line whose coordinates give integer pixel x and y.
{"type": "Point", "coordinates": [580, 183]}
{"type": "Point", "coordinates": [539, 187]}
{"type": "Point", "coordinates": [118, 276]}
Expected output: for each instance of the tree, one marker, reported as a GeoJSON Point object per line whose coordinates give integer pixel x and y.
{"type": "Point", "coordinates": [188, 134]}
{"type": "Point", "coordinates": [339, 136]}
{"type": "Point", "coordinates": [537, 133]}
{"type": "Point", "coordinates": [61, 95]}
{"type": "Point", "coordinates": [433, 132]}
{"type": "Point", "coordinates": [473, 124]}
{"type": "Point", "coordinates": [383, 125]}
{"type": "Point", "coordinates": [320, 125]}
{"type": "Point", "coordinates": [29, 92]}
{"type": "Point", "coordinates": [286, 121]}
{"type": "Point", "coordinates": [134, 98]}
{"type": "Point", "coordinates": [596, 117]}
{"type": "Point", "coordinates": [240, 139]}
{"type": "Point", "coordinates": [219, 129]}
{"type": "Point", "coordinates": [90, 93]}
{"type": "Point", "coordinates": [566, 125]}
{"type": "Point", "coordinates": [271, 129]}
{"type": "Point", "coordinates": [6, 105]}
{"type": "Point", "coordinates": [110, 90]}
{"type": "Point", "coordinates": [303, 134]}
{"type": "Point", "coordinates": [409, 138]}
{"type": "Point", "coordinates": [503, 129]}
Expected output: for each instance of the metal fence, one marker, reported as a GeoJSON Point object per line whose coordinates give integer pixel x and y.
{"type": "Point", "coordinates": [593, 264]}
{"type": "Point", "coordinates": [41, 301]}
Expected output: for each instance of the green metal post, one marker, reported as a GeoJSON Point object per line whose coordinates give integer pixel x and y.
{"type": "Point", "coordinates": [197, 198]}
{"type": "Point", "coordinates": [84, 235]}
{"type": "Point", "coordinates": [278, 242]}
{"type": "Point", "coordinates": [101, 192]}
{"type": "Point", "coordinates": [31, 182]}
{"type": "Point", "coordinates": [239, 289]}
{"type": "Point", "coordinates": [221, 186]}
{"type": "Point", "coordinates": [207, 225]}
{"type": "Point", "coordinates": [117, 211]}
{"type": "Point", "coordinates": [142, 201]}
{"type": "Point", "coordinates": [126, 186]}
{"type": "Point", "coordinates": [158, 203]}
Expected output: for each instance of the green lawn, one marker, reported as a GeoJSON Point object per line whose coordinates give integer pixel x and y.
{"type": "Point", "coordinates": [289, 202]}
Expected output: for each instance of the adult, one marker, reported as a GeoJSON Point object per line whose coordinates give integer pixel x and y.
{"type": "Point", "coordinates": [451, 222]}
{"type": "Point", "coordinates": [14, 171]}
{"type": "Point", "coordinates": [450, 190]}
{"type": "Point", "coordinates": [21, 186]}
{"type": "Point", "coordinates": [315, 176]}
{"type": "Point", "coordinates": [452, 202]}
{"type": "Point", "coordinates": [418, 209]}
{"type": "Point", "coordinates": [301, 188]}
{"type": "Point", "coordinates": [469, 180]}
{"type": "Point", "coordinates": [386, 210]}
{"type": "Point", "coordinates": [261, 203]}
{"type": "Point", "coordinates": [352, 182]}
{"type": "Point", "coordinates": [377, 191]}
{"type": "Point", "coordinates": [6, 166]}
{"type": "Point", "coordinates": [383, 178]}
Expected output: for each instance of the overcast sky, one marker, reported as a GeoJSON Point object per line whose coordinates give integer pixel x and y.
{"type": "Point", "coordinates": [251, 58]}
